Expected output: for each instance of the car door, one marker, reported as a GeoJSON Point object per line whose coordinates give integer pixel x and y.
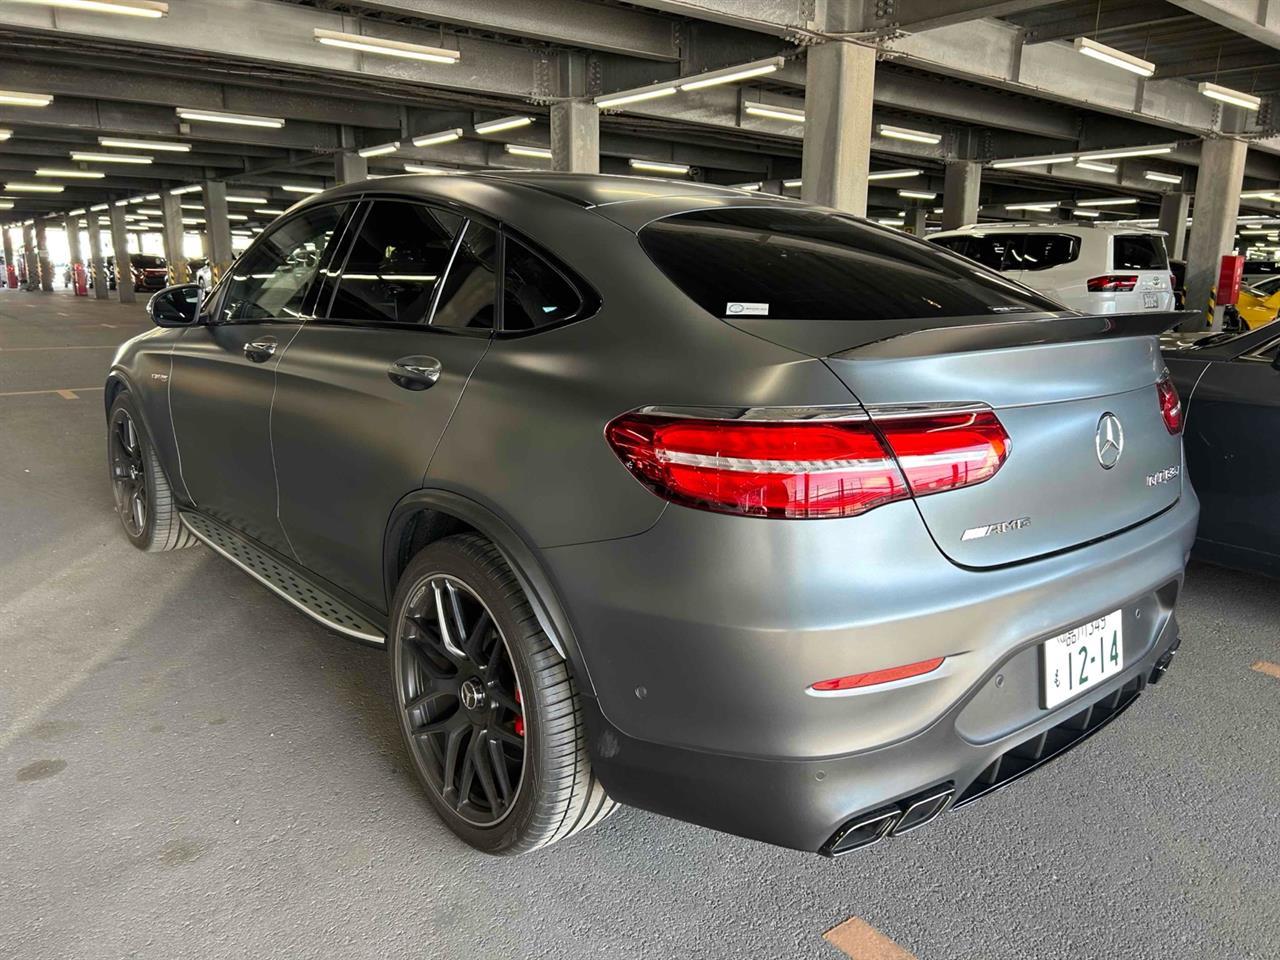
{"type": "Point", "coordinates": [224, 373]}
{"type": "Point", "coordinates": [368, 385]}
{"type": "Point", "coordinates": [1232, 458]}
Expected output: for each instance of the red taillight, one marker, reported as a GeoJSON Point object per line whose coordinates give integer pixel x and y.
{"type": "Point", "coordinates": [1113, 283]}
{"type": "Point", "coordinates": [1170, 404]}
{"type": "Point", "coordinates": [806, 469]}
{"type": "Point", "coordinates": [857, 680]}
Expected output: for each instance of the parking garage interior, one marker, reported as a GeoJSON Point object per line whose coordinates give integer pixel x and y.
{"type": "Point", "coordinates": [193, 769]}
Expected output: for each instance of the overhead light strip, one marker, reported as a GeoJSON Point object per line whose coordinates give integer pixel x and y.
{"type": "Point", "coordinates": [907, 133]}
{"type": "Point", "coordinates": [16, 98]}
{"type": "Point", "coordinates": [1031, 161]}
{"type": "Point", "coordinates": [110, 158]}
{"type": "Point", "coordinates": [73, 174]}
{"type": "Point", "coordinates": [714, 78]}
{"type": "Point", "coordinates": [773, 112]}
{"type": "Point", "coordinates": [386, 48]}
{"type": "Point", "coordinates": [505, 123]}
{"type": "Point", "coordinates": [515, 149]}
{"type": "Point", "coordinates": [1121, 152]}
{"type": "Point", "coordinates": [435, 139]}
{"type": "Point", "coordinates": [1097, 167]}
{"type": "Point", "coordinates": [231, 119]}
{"type": "Point", "coordinates": [901, 174]}
{"type": "Point", "coordinates": [659, 166]}
{"type": "Point", "coordinates": [1108, 202]}
{"type": "Point", "coordinates": [1216, 91]}
{"type": "Point", "coordinates": [379, 151]}
{"type": "Point", "coordinates": [1114, 57]}
{"type": "Point", "coordinates": [129, 144]}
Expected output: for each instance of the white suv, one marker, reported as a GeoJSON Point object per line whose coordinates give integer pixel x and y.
{"type": "Point", "coordinates": [1088, 267]}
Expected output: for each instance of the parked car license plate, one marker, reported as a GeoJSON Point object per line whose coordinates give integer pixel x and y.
{"type": "Point", "coordinates": [1150, 301]}
{"type": "Point", "coordinates": [1082, 658]}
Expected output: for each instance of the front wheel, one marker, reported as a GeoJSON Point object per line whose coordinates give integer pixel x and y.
{"type": "Point", "coordinates": [488, 709]}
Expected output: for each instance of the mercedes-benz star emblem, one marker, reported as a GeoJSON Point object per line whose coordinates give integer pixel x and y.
{"type": "Point", "coordinates": [1109, 440]}
{"type": "Point", "coordinates": [471, 694]}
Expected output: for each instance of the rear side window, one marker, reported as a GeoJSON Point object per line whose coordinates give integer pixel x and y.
{"type": "Point", "coordinates": [467, 298]}
{"type": "Point", "coordinates": [535, 293]}
{"type": "Point", "coordinates": [399, 256]}
{"type": "Point", "coordinates": [1138, 251]}
{"type": "Point", "coordinates": [1040, 251]}
{"type": "Point", "coordinates": [808, 265]}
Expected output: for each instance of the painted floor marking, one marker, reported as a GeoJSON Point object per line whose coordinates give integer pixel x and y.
{"type": "Point", "coordinates": [68, 395]}
{"type": "Point", "coordinates": [1270, 669]}
{"type": "Point", "coordinates": [859, 940]}
{"type": "Point", "coordinates": [64, 393]}
{"type": "Point", "coordinates": [104, 346]}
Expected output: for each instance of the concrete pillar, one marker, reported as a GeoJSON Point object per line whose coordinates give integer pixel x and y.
{"type": "Point", "coordinates": [9, 262]}
{"type": "Point", "coordinates": [218, 227]}
{"type": "Point", "coordinates": [916, 217]}
{"type": "Point", "coordinates": [29, 260]}
{"type": "Point", "coordinates": [351, 167]}
{"type": "Point", "coordinates": [1213, 229]}
{"type": "Point", "coordinates": [171, 213]}
{"type": "Point", "coordinates": [97, 262]}
{"type": "Point", "coordinates": [837, 132]}
{"type": "Point", "coordinates": [1174, 208]}
{"type": "Point", "coordinates": [42, 256]}
{"type": "Point", "coordinates": [575, 136]}
{"type": "Point", "coordinates": [120, 250]}
{"type": "Point", "coordinates": [72, 227]}
{"type": "Point", "coordinates": [960, 187]}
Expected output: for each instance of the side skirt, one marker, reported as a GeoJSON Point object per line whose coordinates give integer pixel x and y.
{"type": "Point", "coordinates": [287, 581]}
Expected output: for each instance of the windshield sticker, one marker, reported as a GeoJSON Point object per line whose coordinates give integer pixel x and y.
{"type": "Point", "coordinates": [747, 309]}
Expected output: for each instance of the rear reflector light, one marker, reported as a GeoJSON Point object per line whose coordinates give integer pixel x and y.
{"type": "Point", "coordinates": [857, 680]}
{"type": "Point", "coordinates": [1170, 404]}
{"type": "Point", "coordinates": [1114, 283]}
{"type": "Point", "coordinates": [806, 469]}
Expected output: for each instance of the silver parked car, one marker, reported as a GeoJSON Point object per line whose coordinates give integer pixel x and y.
{"type": "Point", "coordinates": [743, 511]}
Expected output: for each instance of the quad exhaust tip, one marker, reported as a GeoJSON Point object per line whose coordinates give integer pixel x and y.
{"type": "Point", "coordinates": [902, 817]}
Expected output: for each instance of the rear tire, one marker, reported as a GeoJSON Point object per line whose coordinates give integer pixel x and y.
{"type": "Point", "coordinates": [487, 708]}
{"type": "Point", "coordinates": [144, 499]}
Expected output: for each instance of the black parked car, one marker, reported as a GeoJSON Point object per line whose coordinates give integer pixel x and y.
{"type": "Point", "coordinates": [1230, 385]}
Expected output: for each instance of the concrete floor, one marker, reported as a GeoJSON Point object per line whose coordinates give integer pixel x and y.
{"type": "Point", "coordinates": [191, 768]}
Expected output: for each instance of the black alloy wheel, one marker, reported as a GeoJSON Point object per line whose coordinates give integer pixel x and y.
{"type": "Point", "coordinates": [128, 473]}
{"type": "Point", "coordinates": [460, 701]}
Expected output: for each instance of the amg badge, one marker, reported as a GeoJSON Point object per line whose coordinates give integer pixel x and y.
{"type": "Point", "coordinates": [1163, 476]}
{"type": "Point", "coordinates": [992, 529]}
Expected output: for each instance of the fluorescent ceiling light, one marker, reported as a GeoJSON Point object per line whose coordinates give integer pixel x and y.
{"type": "Point", "coordinates": [144, 145]}
{"type": "Point", "coordinates": [15, 98]}
{"type": "Point", "coordinates": [894, 174]}
{"type": "Point", "coordinates": [98, 207]}
{"type": "Point", "coordinates": [245, 199]}
{"type": "Point", "coordinates": [890, 223]}
{"type": "Point", "coordinates": [1117, 58]}
{"type": "Point", "coordinates": [1096, 166]}
{"type": "Point", "coordinates": [238, 217]}
{"type": "Point", "coordinates": [432, 139]}
{"type": "Point", "coordinates": [542, 153]}
{"type": "Point", "coordinates": [179, 191]}
{"type": "Point", "coordinates": [917, 194]}
{"type": "Point", "coordinates": [713, 78]}
{"type": "Point", "coordinates": [658, 166]}
{"type": "Point", "coordinates": [34, 187]}
{"type": "Point", "coordinates": [298, 188]}
{"type": "Point", "coordinates": [76, 174]}
{"type": "Point", "coordinates": [750, 187]}
{"type": "Point", "coordinates": [6, 204]}
{"type": "Point", "coordinates": [76, 213]}
{"type": "Point", "coordinates": [126, 8]}
{"type": "Point", "coordinates": [137, 199]}
{"type": "Point", "coordinates": [110, 158]}
{"type": "Point", "coordinates": [1044, 205]}
{"type": "Point", "coordinates": [423, 168]}
{"type": "Point", "coordinates": [772, 112]}
{"type": "Point", "coordinates": [5, 135]}
{"type": "Point", "coordinates": [506, 123]}
{"type": "Point", "coordinates": [1108, 202]}
{"type": "Point", "coordinates": [268, 211]}
{"type": "Point", "coordinates": [634, 96]}
{"type": "Point", "coordinates": [1258, 194]}
{"type": "Point", "coordinates": [906, 133]}
{"type": "Point", "coordinates": [121, 203]}
{"type": "Point", "coordinates": [150, 212]}
{"type": "Point", "coordinates": [792, 184]}
{"type": "Point", "coordinates": [192, 221]}
{"type": "Point", "coordinates": [1119, 152]}
{"type": "Point", "coordinates": [192, 206]}
{"type": "Point", "coordinates": [1086, 213]}
{"type": "Point", "coordinates": [1163, 177]}
{"type": "Point", "coordinates": [1216, 91]}
{"type": "Point", "coordinates": [1031, 161]}
{"type": "Point", "coordinates": [386, 48]}
{"type": "Point", "coordinates": [379, 151]}
{"type": "Point", "coordinates": [233, 119]}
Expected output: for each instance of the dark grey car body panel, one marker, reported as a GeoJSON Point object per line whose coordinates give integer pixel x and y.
{"type": "Point", "coordinates": [693, 635]}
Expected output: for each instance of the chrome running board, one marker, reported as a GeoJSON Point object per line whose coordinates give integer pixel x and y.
{"type": "Point", "coordinates": [313, 600]}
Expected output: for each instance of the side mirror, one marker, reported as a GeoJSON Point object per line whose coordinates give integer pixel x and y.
{"type": "Point", "coordinates": [177, 306]}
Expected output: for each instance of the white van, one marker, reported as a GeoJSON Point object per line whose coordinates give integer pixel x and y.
{"type": "Point", "coordinates": [1089, 267]}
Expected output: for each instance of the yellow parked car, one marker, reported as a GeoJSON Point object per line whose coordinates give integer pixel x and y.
{"type": "Point", "coordinates": [1258, 304]}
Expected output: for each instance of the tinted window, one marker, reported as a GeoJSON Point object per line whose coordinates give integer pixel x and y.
{"type": "Point", "coordinates": [992, 251]}
{"type": "Point", "coordinates": [470, 288]}
{"type": "Point", "coordinates": [534, 293]}
{"type": "Point", "coordinates": [271, 279]}
{"type": "Point", "coordinates": [396, 260]}
{"type": "Point", "coordinates": [802, 264]}
{"type": "Point", "coordinates": [1138, 252]}
{"type": "Point", "coordinates": [1040, 251]}
{"type": "Point", "coordinates": [143, 261]}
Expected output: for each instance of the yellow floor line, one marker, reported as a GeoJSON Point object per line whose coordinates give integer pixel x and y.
{"type": "Point", "coordinates": [68, 395]}
{"type": "Point", "coordinates": [1270, 669]}
{"type": "Point", "coordinates": [858, 939]}
{"type": "Point", "coordinates": [62, 393]}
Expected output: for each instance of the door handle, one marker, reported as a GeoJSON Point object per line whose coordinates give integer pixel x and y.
{"type": "Point", "coordinates": [415, 373]}
{"type": "Point", "coordinates": [261, 350]}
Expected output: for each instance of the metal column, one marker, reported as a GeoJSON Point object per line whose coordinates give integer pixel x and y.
{"type": "Point", "coordinates": [120, 250]}
{"type": "Point", "coordinates": [840, 78]}
{"type": "Point", "coordinates": [218, 227]}
{"type": "Point", "coordinates": [1213, 228]}
{"type": "Point", "coordinates": [97, 264]}
{"type": "Point", "coordinates": [351, 167]}
{"type": "Point", "coordinates": [960, 189]}
{"type": "Point", "coordinates": [1174, 208]}
{"type": "Point", "coordinates": [171, 212]}
{"type": "Point", "coordinates": [575, 136]}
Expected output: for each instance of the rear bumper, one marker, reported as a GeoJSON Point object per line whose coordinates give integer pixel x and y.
{"type": "Point", "coordinates": [702, 636]}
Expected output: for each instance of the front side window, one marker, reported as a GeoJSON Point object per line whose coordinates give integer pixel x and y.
{"type": "Point", "coordinates": [807, 265]}
{"type": "Point", "coordinates": [1138, 251]}
{"type": "Point", "coordinates": [396, 262]}
{"type": "Point", "coordinates": [270, 281]}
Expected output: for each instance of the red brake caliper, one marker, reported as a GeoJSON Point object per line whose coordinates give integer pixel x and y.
{"type": "Point", "coordinates": [519, 720]}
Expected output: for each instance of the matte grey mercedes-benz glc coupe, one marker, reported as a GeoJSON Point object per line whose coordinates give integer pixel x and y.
{"type": "Point", "coordinates": [747, 512]}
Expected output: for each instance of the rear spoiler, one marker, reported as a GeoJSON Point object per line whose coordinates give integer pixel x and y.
{"type": "Point", "coordinates": [969, 338]}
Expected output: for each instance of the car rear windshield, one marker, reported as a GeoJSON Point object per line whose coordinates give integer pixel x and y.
{"type": "Point", "coordinates": [1015, 251]}
{"type": "Point", "coordinates": [146, 261]}
{"type": "Point", "coordinates": [809, 265]}
{"type": "Point", "coordinates": [1138, 251]}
